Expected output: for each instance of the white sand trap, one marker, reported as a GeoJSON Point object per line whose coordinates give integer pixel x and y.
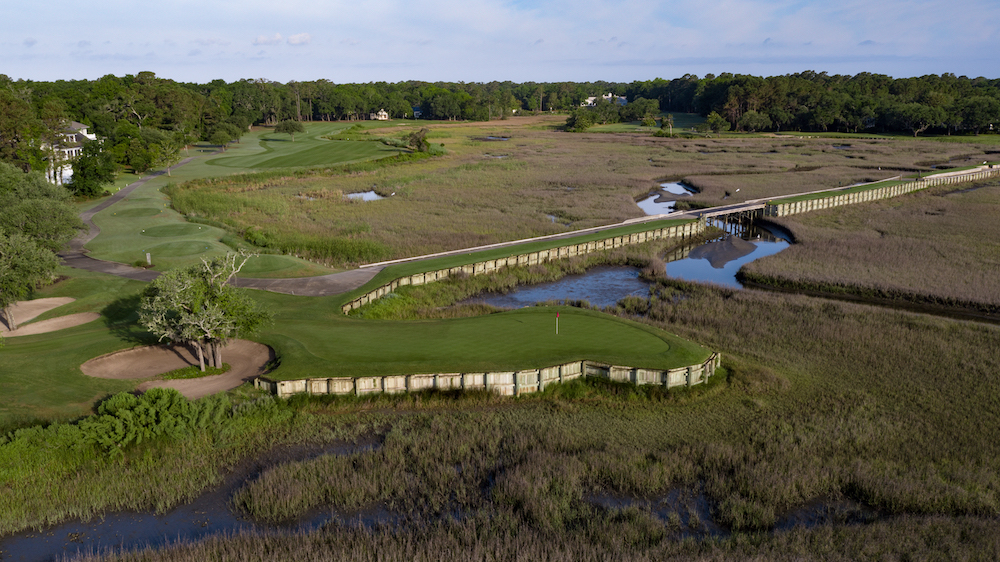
{"type": "Point", "coordinates": [53, 324]}
{"type": "Point", "coordinates": [26, 311]}
{"type": "Point", "coordinates": [248, 359]}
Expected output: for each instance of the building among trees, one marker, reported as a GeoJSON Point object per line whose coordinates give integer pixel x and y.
{"type": "Point", "coordinates": [67, 147]}
{"type": "Point", "coordinates": [609, 97]}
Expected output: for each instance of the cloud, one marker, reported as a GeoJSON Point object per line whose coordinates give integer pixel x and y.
{"type": "Point", "coordinates": [83, 44]}
{"type": "Point", "coordinates": [210, 42]}
{"type": "Point", "coordinates": [867, 43]}
{"type": "Point", "coordinates": [265, 40]}
{"type": "Point", "coordinates": [300, 39]}
{"type": "Point", "coordinates": [194, 53]}
{"type": "Point", "coordinates": [30, 42]}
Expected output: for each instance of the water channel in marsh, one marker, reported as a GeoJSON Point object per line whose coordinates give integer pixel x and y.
{"type": "Point", "coordinates": [715, 261]}
{"type": "Point", "coordinates": [209, 514]}
{"type": "Point", "coordinates": [665, 199]}
{"type": "Point", "coordinates": [369, 195]}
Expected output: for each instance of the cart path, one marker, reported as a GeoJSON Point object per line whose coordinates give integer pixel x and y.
{"type": "Point", "coordinates": [75, 255]}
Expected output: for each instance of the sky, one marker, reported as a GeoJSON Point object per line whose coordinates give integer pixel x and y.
{"type": "Point", "coordinates": [486, 40]}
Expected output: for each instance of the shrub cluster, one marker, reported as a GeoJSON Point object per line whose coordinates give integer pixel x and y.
{"type": "Point", "coordinates": [126, 419]}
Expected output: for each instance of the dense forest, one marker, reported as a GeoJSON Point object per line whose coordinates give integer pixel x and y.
{"type": "Point", "coordinates": [146, 120]}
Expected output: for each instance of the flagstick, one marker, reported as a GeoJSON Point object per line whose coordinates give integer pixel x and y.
{"type": "Point", "coordinates": [557, 323]}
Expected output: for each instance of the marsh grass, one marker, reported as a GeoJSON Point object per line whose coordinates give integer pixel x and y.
{"type": "Point", "coordinates": [819, 399]}
{"type": "Point", "coordinates": [890, 430]}
{"type": "Point", "coordinates": [936, 246]}
{"type": "Point", "coordinates": [619, 534]}
{"type": "Point", "coordinates": [81, 481]}
{"type": "Point", "coordinates": [466, 198]}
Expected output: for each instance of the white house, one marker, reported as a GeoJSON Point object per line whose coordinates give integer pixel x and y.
{"type": "Point", "coordinates": [67, 148]}
{"type": "Point", "coordinates": [380, 115]}
{"type": "Point", "coordinates": [592, 101]}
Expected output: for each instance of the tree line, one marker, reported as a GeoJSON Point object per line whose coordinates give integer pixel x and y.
{"type": "Point", "coordinates": [147, 121]}
{"type": "Point", "coordinates": [811, 101]}
{"type": "Point", "coordinates": [36, 221]}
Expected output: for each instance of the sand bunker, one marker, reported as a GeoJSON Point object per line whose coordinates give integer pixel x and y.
{"type": "Point", "coordinates": [53, 324]}
{"type": "Point", "coordinates": [247, 359]}
{"type": "Point", "coordinates": [26, 311]}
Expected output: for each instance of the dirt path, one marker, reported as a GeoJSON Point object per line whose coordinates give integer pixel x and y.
{"type": "Point", "coordinates": [248, 360]}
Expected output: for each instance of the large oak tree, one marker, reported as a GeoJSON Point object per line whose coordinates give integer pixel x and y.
{"type": "Point", "coordinates": [198, 307]}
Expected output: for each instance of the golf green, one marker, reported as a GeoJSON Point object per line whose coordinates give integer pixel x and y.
{"type": "Point", "coordinates": [137, 212]}
{"type": "Point", "coordinates": [168, 230]}
{"type": "Point", "coordinates": [180, 248]}
{"type": "Point", "coordinates": [314, 347]}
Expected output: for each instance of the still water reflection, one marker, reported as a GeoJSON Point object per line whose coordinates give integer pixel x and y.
{"type": "Point", "coordinates": [715, 261]}
{"type": "Point", "coordinates": [600, 286]}
{"type": "Point", "coordinates": [369, 195]}
{"type": "Point", "coordinates": [664, 200]}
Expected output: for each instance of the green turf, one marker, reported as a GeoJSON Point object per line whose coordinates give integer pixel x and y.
{"type": "Point", "coordinates": [272, 266]}
{"type": "Point", "coordinates": [122, 240]}
{"type": "Point", "coordinates": [865, 187]}
{"type": "Point", "coordinates": [826, 194]}
{"type": "Point", "coordinates": [308, 149]}
{"type": "Point", "coordinates": [178, 249]}
{"type": "Point", "coordinates": [329, 153]}
{"type": "Point", "coordinates": [40, 375]}
{"type": "Point", "coordinates": [168, 230]}
{"type": "Point", "coordinates": [682, 122]}
{"type": "Point", "coordinates": [312, 341]}
{"type": "Point", "coordinates": [138, 212]}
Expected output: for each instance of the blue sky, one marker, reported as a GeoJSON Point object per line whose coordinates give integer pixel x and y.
{"type": "Point", "coordinates": [484, 40]}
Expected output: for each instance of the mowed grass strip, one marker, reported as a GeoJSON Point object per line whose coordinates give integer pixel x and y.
{"type": "Point", "coordinates": [826, 194]}
{"type": "Point", "coordinates": [283, 153]}
{"type": "Point", "coordinates": [147, 209]}
{"type": "Point", "coordinates": [936, 245]}
{"type": "Point", "coordinates": [144, 223]}
{"type": "Point", "coordinates": [865, 187]}
{"type": "Point", "coordinates": [683, 122]}
{"type": "Point", "coordinates": [308, 149]}
{"type": "Point", "coordinates": [40, 374]}
{"type": "Point", "coordinates": [396, 271]}
{"type": "Point", "coordinates": [310, 346]}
